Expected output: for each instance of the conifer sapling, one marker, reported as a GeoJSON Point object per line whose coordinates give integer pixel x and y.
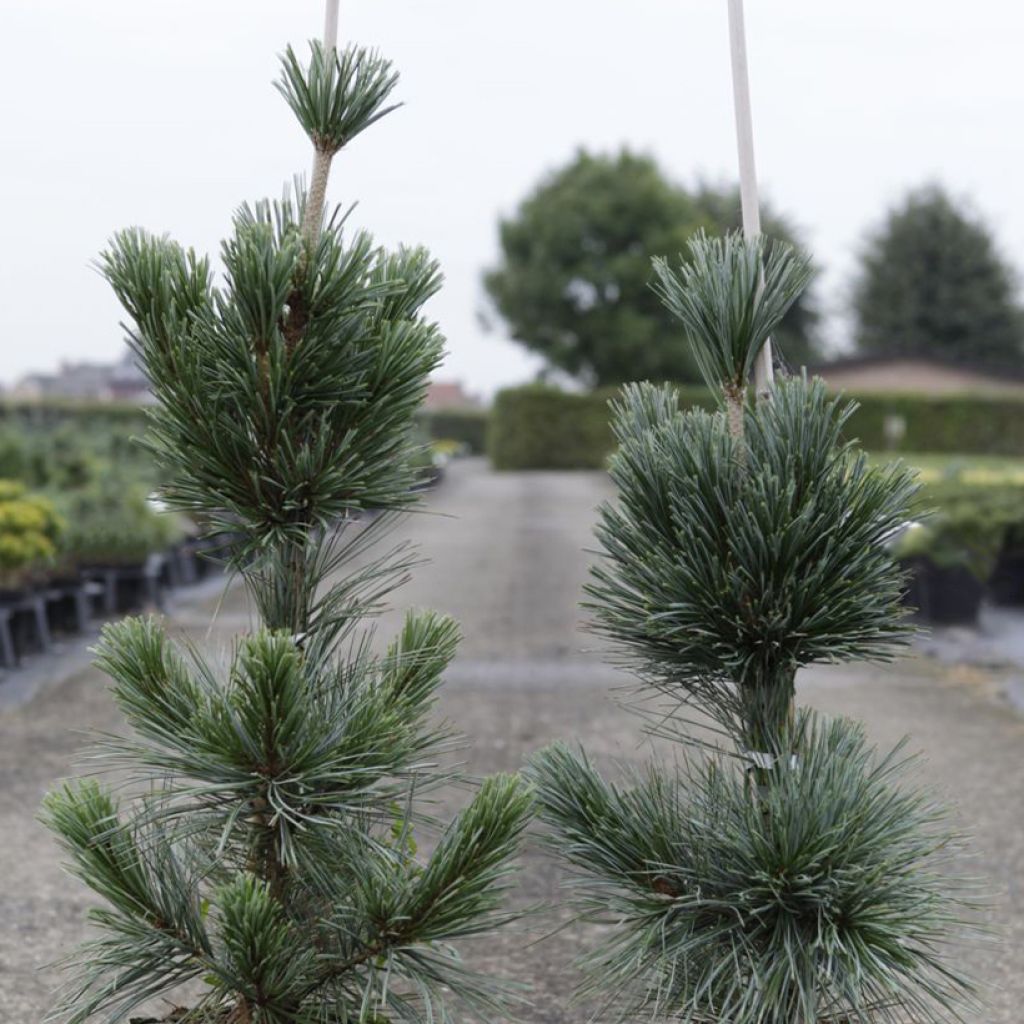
{"type": "Point", "coordinates": [265, 849]}
{"type": "Point", "coordinates": [783, 872]}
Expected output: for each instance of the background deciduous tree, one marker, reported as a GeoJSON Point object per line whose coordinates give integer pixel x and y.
{"type": "Point", "coordinates": [573, 283]}
{"type": "Point", "coordinates": [932, 283]}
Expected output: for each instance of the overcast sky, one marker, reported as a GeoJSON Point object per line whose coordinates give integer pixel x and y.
{"type": "Point", "coordinates": [161, 113]}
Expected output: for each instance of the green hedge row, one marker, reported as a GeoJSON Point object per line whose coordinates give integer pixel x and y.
{"type": "Point", "coordinates": [943, 424]}
{"type": "Point", "coordinates": [537, 427]}
{"type": "Point", "coordinates": [540, 427]}
{"type": "Point", "coordinates": [468, 426]}
{"type": "Point", "coordinates": [51, 413]}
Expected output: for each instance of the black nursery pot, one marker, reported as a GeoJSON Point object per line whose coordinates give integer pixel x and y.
{"type": "Point", "coordinates": [1007, 583]}
{"type": "Point", "coordinates": [916, 594]}
{"type": "Point", "coordinates": [126, 583]}
{"type": "Point", "coordinates": [182, 570]}
{"type": "Point", "coordinates": [62, 608]}
{"type": "Point", "coordinates": [954, 595]}
{"type": "Point", "coordinates": [131, 587]}
{"type": "Point", "coordinates": [25, 620]}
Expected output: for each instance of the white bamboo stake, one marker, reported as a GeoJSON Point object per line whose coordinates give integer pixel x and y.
{"type": "Point", "coordinates": [763, 372]}
{"type": "Point", "coordinates": [317, 194]}
{"type": "Point", "coordinates": [331, 25]}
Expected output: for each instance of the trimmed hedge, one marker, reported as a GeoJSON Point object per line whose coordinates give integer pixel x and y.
{"type": "Point", "coordinates": [540, 427]}
{"type": "Point", "coordinates": [537, 427]}
{"type": "Point", "coordinates": [53, 412]}
{"type": "Point", "coordinates": [969, 424]}
{"type": "Point", "coordinates": [468, 426]}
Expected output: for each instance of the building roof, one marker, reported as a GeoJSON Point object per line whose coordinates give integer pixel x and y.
{"type": "Point", "coordinates": [924, 374]}
{"type": "Point", "coordinates": [449, 394]}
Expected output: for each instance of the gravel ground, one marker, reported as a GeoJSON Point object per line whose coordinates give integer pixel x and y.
{"type": "Point", "coordinates": [507, 559]}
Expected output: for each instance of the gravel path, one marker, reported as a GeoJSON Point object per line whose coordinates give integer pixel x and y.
{"type": "Point", "coordinates": [507, 559]}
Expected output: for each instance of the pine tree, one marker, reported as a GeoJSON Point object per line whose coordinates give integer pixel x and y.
{"type": "Point", "coordinates": [265, 850]}
{"type": "Point", "coordinates": [574, 279]}
{"type": "Point", "coordinates": [932, 283]}
{"type": "Point", "coordinates": [783, 872]}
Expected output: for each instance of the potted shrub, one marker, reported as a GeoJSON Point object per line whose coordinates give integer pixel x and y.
{"type": "Point", "coordinates": [951, 557]}
{"type": "Point", "coordinates": [781, 870]}
{"type": "Point", "coordinates": [112, 533]}
{"type": "Point", "coordinates": [14, 456]}
{"type": "Point", "coordinates": [953, 550]}
{"type": "Point", "coordinates": [30, 530]}
{"type": "Point", "coordinates": [1007, 582]}
{"type": "Point", "coordinates": [1005, 502]}
{"type": "Point", "coordinates": [272, 858]}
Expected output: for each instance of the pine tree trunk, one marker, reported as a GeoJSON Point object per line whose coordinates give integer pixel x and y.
{"type": "Point", "coordinates": [735, 400]}
{"type": "Point", "coordinates": [316, 197]}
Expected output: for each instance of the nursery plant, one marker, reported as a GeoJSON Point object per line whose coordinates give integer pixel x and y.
{"type": "Point", "coordinates": [83, 449]}
{"type": "Point", "coordinates": [965, 524]}
{"type": "Point", "coordinates": [781, 871]}
{"type": "Point", "coordinates": [261, 843]}
{"type": "Point", "coordinates": [30, 529]}
{"type": "Point", "coordinates": [962, 543]}
{"type": "Point", "coordinates": [111, 523]}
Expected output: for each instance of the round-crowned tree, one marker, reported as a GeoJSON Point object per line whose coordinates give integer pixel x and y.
{"type": "Point", "coordinates": [574, 280]}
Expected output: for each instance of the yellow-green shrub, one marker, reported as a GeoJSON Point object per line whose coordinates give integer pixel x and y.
{"type": "Point", "coordinates": [29, 532]}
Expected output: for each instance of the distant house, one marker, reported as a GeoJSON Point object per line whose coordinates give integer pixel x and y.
{"type": "Point", "coordinates": [122, 381]}
{"type": "Point", "coordinates": [914, 374]}
{"type": "Point", "coordinates": [128, 382]}
{"type": "Point", "coordinates": [449, 394]}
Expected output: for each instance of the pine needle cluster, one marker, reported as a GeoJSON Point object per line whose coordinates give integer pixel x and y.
{"type": "Point", "coordinates": [264, 845]}
{"type": "Point", "coordinates": [785, 872]}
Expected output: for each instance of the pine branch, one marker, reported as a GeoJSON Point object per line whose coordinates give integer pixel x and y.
{"type": "Point", "coordinates": [276, 796]}
{"type": "Point", "coordinates": [625, 838]}
{"type": "Point", "coordinates": [831, 900]}
{"type": "Point", "coordinates": [457, 893]}
{"type": "Point", "coordinates": [264, 960]}
{"type": "Point", "coordinates": [730, 297]}
{"type": "Point", "coordinates": [155, 934]}
{"type": "Point", "coordinates": [722, 577]}
{"type": "Point", "coordinates": [335, 98]}
{"type": "Point", "coordinates": [259, 742]}
{"type": "Point", "coordinates": [338, 95]}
